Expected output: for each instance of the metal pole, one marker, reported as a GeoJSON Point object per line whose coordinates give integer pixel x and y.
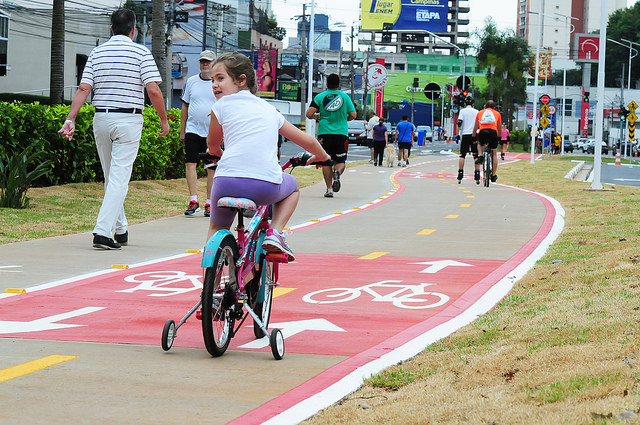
{"type": "Point", "coordinates": [535, 90]}
{"type": "Point", "coordinates": [597, 158]}
{"type": "Point", "coordinates": [564, 77]}
{"type": "Point", "coordinates": [303, 74]}
{"type": "Point", "coordinates": [309, 128]}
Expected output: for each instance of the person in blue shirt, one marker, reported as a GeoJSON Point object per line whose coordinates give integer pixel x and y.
{"type": "Point", "coordinates": [404, 139]}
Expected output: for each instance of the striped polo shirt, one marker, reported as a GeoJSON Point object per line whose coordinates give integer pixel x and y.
{"type": "Point", "coordinates": [117, 71]}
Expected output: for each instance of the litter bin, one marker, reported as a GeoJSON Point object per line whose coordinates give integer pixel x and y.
{"type": "Point", "coordinates": [421, 135]}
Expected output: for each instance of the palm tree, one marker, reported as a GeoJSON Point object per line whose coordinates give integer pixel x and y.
{"type": "Point", "coordinates": [56, 73]}
{"type": "Point", "coordinates": [158, 45]}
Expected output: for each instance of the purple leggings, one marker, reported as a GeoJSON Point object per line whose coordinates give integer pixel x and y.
{"type": "Point", "coordinates": [259, 191]}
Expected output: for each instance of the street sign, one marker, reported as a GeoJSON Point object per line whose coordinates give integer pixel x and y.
{"type": "Point", "coordinates": [632, 131]}
{"type": "Point", "coordinates": [544, 99]}
{"type": "Point", "coordinates": [545, 110]}
{"type": "Point", "coordinates": [432, 91]}
{"type": "Point", "coordinates": [377, 75]}
{"type": "Point", "coordinates": [552, 109]}
{"type": "Point", "coordinates": [632, 117]}
{"type": "Point", "coordinates": [632, 106]}
{"type": "Point", "coordinates": [544, 122]}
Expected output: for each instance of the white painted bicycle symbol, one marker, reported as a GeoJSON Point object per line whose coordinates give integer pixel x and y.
{"type": "Point", "coordinates": [161, 281]}
{"type": "Point", "coordinates": [406, 296]}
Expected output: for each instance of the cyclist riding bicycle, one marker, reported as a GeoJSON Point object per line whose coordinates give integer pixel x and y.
{"type": "Point", "coordinates": [488, 127]}
{"type": "Point", "coordinates": [466, 122]}
{"type": "Point", "coordinates": [249, 167]}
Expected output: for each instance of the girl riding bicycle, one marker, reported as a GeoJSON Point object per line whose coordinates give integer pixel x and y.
{"type": "Point", "coordinates": [249, 167]}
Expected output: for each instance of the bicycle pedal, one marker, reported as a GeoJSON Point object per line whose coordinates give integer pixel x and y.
{"type": "Point", "coordinates": [274, 257]}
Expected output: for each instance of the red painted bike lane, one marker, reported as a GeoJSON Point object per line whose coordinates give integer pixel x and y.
{"type": "Point", "coordinates": [381, 310]}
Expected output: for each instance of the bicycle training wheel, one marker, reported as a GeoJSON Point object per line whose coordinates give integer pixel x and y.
{"type": "Point", "coordinates": [217, 322]}
{"type": "Point", "coordinates": [168, 334]}
{"type": "Point", "coordinates": [276, 341]}
{"type": "Point", "coordinates": [486, 169]}
{"type": "Point", "coordinates": [262, 308]}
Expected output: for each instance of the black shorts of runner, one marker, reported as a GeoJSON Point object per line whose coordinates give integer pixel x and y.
{"type": "Point", "coordinates": [488, 136]}
{"type": "Point", "coordinates": [404, 145]}
{"type": "Point", "coordinates": [194, 145]}
{"type": "Point", "coordinates": [370, 143]}
{"type": "Point", "coordinates": [504, 142]}
{"type": "Point", "coordinates": [336, 145]}
{"type": "Point", "coordinates": [467, 145]}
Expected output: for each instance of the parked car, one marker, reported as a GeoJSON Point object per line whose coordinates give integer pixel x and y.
{"type": "Point", "coordinates": [627, 148]}
{"type": "Point", "coordinates": [391, 131]}
{"type": "Point", "coordinates": [358, 132]}
{"type": "Point", "coordinates": [590, 148]}
{"type": "Point", "coordinates": [579, 145]}
{"type": "Point", "coordinates": [428, 133]}
{"type": "Point", "coordinates": [568, 146]}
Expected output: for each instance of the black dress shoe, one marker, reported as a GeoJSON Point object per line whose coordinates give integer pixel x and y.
{"type": "Point", "coordinates": [104, 242]}
{"type": "Point", "coordinates": [123, 239]}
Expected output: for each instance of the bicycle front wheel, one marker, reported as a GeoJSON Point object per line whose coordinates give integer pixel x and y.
{"type": "Point", "coordinates": [217, 322]}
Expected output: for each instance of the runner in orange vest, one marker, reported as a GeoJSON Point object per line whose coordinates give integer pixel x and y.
{"type": "Point", "coordinates": [489, 124]}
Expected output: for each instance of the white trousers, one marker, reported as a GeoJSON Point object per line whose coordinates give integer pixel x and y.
{"type": "Point", "coordinates": [117, 139]}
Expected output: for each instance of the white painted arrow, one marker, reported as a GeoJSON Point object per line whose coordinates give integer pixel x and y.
{"type": "Point", "coordinates": [4, 269]}
{"type": "Point", "coordinates": [46, 323]}
{"type": "Point", "coordinates": [291, 328]}
{"type": "Point", "coordinates": [436, 266]}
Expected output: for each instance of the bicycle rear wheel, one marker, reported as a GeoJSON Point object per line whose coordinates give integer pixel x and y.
{"type": "Point", "coordinates": [217, 320]}
{"type": "Point", "coordinates": [486, 168]}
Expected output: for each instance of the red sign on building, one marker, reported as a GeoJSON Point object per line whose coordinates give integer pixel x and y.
{"type": "Point", "coordinates": [586, 48]}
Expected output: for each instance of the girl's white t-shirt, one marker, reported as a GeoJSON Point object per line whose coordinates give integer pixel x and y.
{"type": "Point", "coordinates": [250, 128]}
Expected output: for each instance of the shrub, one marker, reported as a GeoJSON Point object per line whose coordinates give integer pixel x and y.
{"type": "Point", "coordinates": [17, 173]}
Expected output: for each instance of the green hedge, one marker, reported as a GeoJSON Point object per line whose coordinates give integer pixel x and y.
{"type": "Point", "coordinates": [76, 160]}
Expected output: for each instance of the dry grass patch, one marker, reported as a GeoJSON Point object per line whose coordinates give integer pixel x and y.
{"type": "Point", "coordinates": [561, 348]}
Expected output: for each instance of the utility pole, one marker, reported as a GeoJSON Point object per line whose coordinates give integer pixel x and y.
{"type": "Point", "coordinates": [351, 71]}
{"type": "Point", "coordinates": [303, 72]}
{"type": "Point", "coordinates": [169, 78]}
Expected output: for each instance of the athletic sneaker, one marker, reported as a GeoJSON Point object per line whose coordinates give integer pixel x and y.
{"type": "Point", "coordinates": [329, 193]}
{"type": "Point", "coordinates": [123, 239]}
{"type": "Point", "coordinates": [476, 176]}
{"type": "Point", "coordinates": [336, 182]}
{"type": "Point", "coordinates": [502, 155]}
{"type": "Point", "coordinates": [104, 242]}
{"type": "Point", "coordinates": [275, 243]}
{"type": "Point", "coordinates": [193, 208]}
{"type": "Point", "coordinates": [494, 178]}
{"type": "Point", "coordinates": [460, 175]}
{"type": "Point", "coordinates": [207, 210]}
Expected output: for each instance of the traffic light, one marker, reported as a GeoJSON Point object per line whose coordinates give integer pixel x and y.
{"type": "Point", "coordinates": [464, 95]}
{"type": "Point", "coordinates": [416, 82]}
{"type": "Point", "coordinates": [623, 113]}
{"type": "Point", "coordinates": [586, 97]}
{"type": "Point", "coordinates": [386, 35]}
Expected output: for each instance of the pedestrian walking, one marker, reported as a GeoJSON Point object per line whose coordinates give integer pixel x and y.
{"type": "Point", "coordinates": [197, 100]}
{"type": "Point", "coordinates": [333, 108]}
{"type": "Point", "coordinates": [373, 121]}
{"type": "Point", "coordinates": [380, 140]}
{"type": "Point", "coordinates": [404, 139]}
{"type": "Point", "coordinates": [118, 97]}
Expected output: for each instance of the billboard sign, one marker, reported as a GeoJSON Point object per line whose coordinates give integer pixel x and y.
{"type": "Point", "coordinates": [586, 47]}
{"type": "Point", "coordinates": [266, 72]}
{"type": "Point", "coordinates": [405, 15]}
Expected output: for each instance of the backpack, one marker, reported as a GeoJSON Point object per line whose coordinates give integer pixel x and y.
{"type": "Point", "coordinates": [487, 117]}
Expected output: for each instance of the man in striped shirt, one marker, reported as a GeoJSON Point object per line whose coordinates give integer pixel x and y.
{"type": "Point", "coordinates": [118, 71]}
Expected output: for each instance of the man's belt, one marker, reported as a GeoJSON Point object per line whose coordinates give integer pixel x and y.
{"type": "Point", "coordinates": [120, 110]}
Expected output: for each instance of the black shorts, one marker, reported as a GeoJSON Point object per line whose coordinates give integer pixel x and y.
{"type": "Point", "coordinates": [194, 145]}
{"type": "Point", "coordinates": [370, 143]}
{"type": "Point", "coordinates": [468, 144]}
{"type": "Point", "coordinates": [336, 145]}
{"type": "Point", "coordinates": [404, 145]}
{"type": "Point", "coordinates": [488, 136]}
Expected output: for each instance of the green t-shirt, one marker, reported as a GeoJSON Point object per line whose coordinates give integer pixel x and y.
{"type": "Point", "coordinates": [334, 107]}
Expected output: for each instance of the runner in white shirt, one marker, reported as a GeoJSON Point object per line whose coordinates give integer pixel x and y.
{"type": "Point", "coordinates": [466, 121]}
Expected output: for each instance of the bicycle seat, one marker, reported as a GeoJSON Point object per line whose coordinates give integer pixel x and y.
{"type": "Point", "coordinates": [237, 203]}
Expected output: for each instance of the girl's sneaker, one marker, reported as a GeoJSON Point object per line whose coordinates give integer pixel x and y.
{"type": "Point", "coordinates": [274, 242]}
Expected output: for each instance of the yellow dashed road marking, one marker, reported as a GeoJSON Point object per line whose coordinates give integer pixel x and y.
{"type": "Point", "coordinates": [465, 205]}
{"type": "Point", "coordinates": [451, 216]}
{"type": "Point", "coordinates": [372, 256]}
{"type": "Point", "coordinates": [470, 196]}
{"type": "Point", "coordinates": [282, 291]}
{"type": "Point", "coordinates": [426, 231]}
{"type": "Point", "coordinates": [32, 366]}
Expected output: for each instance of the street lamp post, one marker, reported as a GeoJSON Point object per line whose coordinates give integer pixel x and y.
{"type": "Point", "coordinates": [564, 76]}
{"type": "Point", "coordinates": [630, 46]}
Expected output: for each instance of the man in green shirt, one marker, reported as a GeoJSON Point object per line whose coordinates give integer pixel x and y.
{"type": "Point", "coordinates": [332, 109]}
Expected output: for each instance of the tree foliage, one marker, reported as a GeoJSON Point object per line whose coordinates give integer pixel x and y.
{"type": "Point", "coordinates": [623, 24]}
{"type": "Point", "coordinates": [274, 30]}
{"type": "Point", "coordinates": [511, 57]}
